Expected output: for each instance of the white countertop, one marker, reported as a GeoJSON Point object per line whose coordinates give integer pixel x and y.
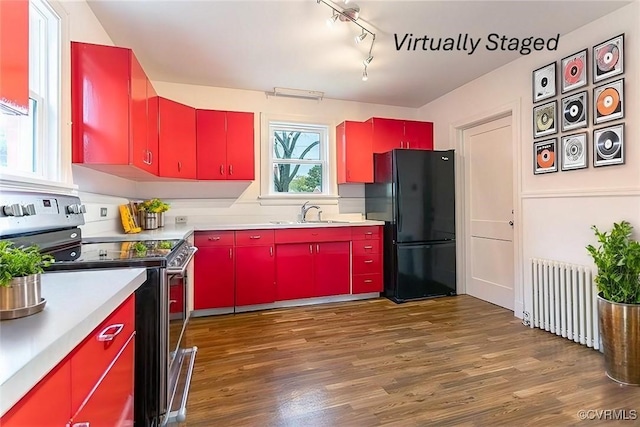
{"type": "Point", "coordinates": [77, 302]}
{"type": "Point", "coordinates": [182, 231]}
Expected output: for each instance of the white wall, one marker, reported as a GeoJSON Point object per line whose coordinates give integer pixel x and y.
{"type": "Point", "coordinates": [557, 209]}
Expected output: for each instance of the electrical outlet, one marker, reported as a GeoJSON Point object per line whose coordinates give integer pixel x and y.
{"type": "Point", "coordinates": [103, 211]}
{"type": "Point", "coordinates": [181, 220]}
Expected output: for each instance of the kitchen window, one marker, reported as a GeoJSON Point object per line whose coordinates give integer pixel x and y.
{"type": "Point", "coordinates": [298, 159]}
{"type": "Point", "coordinates": [30, 145]}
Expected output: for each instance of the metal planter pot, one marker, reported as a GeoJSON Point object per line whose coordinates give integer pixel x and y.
{"type": "Point", "coordinates": [21, 298]}
{"type": "Point", "coordinates": [620, 332]}
{"type": "Point", "coordinates": [161, 219]}
{"type": "Point", "coordinates": [148, 220]}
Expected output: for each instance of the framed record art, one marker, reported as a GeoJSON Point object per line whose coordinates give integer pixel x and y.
{"type": "Point", "coordinates": [608, 102]}
{"type": "Point", "coordinates": [608, 146]}
{"type": "Point", "coordinates": [608, 58]}
{"type": "Point", "coordinates": [574, 71]}
{"type": "Point", "coordinates": [544, 119]}
{"type": "Point", "coordinates": [574, 151]}
{"type": "Point", "coordinates": [574, 111]}
{"type": "Point", "coordinates": [544, 156]}
{"type": "Point", "coordinates": [544, 82]}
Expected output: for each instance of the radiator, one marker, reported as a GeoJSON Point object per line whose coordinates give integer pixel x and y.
{"type": "Point", "coordinates": [564, 301]}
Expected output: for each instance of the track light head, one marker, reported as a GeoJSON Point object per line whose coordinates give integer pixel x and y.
{"type": "Point", "coordinates": [332, 20]}
{"type": "Point", "coordinates": [365, 76]}
{"type": "Point", "coordinates": [367, 61]}
{"type": "Point", "coordinates": [361, 37]}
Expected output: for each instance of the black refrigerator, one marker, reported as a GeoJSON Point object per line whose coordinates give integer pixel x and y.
{"type": "Point", "coordinates": [414, 194]}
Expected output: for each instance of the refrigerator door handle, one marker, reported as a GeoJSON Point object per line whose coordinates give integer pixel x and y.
{"type": "Point", "coordinates": [399, 187]}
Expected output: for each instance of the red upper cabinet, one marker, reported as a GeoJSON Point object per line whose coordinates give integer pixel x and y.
{"type": "Point", "coordinates": [354, 152]}
{"type": "Point", "coordinates": [177, 142]}
{"type": "Point", "coordinates": [14, 56]}
{"type": "Point", "coordinates": [225, 145]}
{"type": "Point", "coordinates": [392, 133]}
{"type": "Point", "coordinates": [112, 117]}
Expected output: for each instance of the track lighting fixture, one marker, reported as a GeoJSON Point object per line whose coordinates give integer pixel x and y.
{"type": "Point", "coordinates": [351, 14]}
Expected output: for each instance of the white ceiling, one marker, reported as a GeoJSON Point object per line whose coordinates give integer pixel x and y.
{"type": "Point", "coordinates": [259, 45]}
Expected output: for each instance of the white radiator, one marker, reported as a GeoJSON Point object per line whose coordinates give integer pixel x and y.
{"type": "Point", "coordinates": [564, 301]}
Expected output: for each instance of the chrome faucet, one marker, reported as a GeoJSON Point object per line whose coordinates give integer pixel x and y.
{"type": "Point", "coordinates": [304, 209]}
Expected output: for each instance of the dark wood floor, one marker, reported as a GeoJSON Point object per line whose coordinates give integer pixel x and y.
{"type": "Point", "coordinates": [448, 361]}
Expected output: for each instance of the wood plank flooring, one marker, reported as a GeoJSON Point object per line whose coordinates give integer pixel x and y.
{"type": "Point", "coordinates": [455, 361]}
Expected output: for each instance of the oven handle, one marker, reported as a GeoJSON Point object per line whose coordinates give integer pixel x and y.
{"type": "Point", "coordinates": [179, 271]}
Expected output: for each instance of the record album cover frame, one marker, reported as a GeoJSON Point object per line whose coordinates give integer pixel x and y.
{"type": "Point", "coordinates": [551, 69]}
{"type": "Point", "coordinates": [618, 159]}
{"type": "Point", "coordinates": [579, 141]}
{"type": "Point", "coordinates": [618, 86]}
{"type": "Point", "coordinates": [618, 69]}
{"type": "Point", "coordinates": [582, 57]}
{"type": "Point", "coordinates": [583, 98]}
{"type": "Point", "coordinates": [538, 148]}
{"type": "Point", "coordinates": [537, 133]}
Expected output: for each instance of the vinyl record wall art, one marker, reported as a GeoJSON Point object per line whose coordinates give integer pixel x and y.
{"type": "Point", "coordinates": [608, 102]}
{"type": "Point", "coordinates": [574, 151]}
{"type": "Point", "coordinates": [574, 111]}
{"type": "Point", "coordinates": [608, 58]}
{"type": "Point", "coordinates": [608, 146]}
{"type": "Point", "coordinates": [544, 119]}
{"type": "Point", "coordinates": [544, 156]}
{"type": "Point", "coordinates": [544, 82]}
{"type": "Point", "coordinates": [574, 71]}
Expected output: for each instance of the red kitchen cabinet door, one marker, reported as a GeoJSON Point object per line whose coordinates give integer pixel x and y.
{"type": "Point", "coordinates": [240, 146]}
{"type": "Point", "coordinates": [177, 147]}
{"type": "Point", "coordinates": [152, 130]}
{"type": "Point", "coordinates": [387, 134]}
{"type": "Point", "coordinates": [294, 271]}
{"type": "Point", "coordinates": [211, 145]}
{"type": "Point", "coordinates": [331, 268]}
{"type": "Point", "coordinates": [14, 55]}
{"type": "Point", "coordinates": [418, 135]}
{"type": "Point", "coordinates": [110, 403]}
{"type": "Point", "coordinates": [214, 278]}
{"type": "Point", "coordinates": [176, 295]}
{"type": "Point", "coordinates": [138, 121]}
{"type": "Point", "coordinates": [48, 404]}
{"type": "Point", "coordinates": [255, 275]}
{"type": "Point", "coordinates": [100, 104]}
{"type": "Point", "coordinates": [354, 152]}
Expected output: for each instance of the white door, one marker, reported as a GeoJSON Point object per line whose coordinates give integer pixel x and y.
{"type": "Point", "coordinates": [489, 212]}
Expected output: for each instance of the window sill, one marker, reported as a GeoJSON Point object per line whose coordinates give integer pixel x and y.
{"type": "Point", "coordinates": [297, 199]}
{"type": "Point", "coordinates": [27, 183]}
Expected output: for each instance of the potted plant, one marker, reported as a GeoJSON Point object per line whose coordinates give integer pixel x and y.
{"type": "Point", "coordinates": [618, 280]}
{"type": "Point", "coordinates": [152, 213]}
{"type": "Point", "coordinates": [20, 270]}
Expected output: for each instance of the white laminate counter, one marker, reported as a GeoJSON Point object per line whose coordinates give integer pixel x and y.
{"type": "Point", "coordinates": [182, 231]}
{"type": "Point", "coordinates": [77, 302]}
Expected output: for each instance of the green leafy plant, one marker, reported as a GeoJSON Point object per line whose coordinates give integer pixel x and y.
{"type": "Point", "coordinates": [164, 244]}
{"type": "Point", "coordinates": [139, 248]}
{"type": "Point", "coordinates": [19, 262]}
{"type": "Point", "coordinates": [154, 206]}
{"type": "Point", "coordinates": [618, 261]}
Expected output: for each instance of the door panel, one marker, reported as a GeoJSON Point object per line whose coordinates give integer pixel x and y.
{"type": "Point", "coordinates": [14, 55]}
{"type": "Point", "coordinates": [152, 129]}
{"type": "Point", "coordinates": [255, 275]}
{"type": "Point", "coordinates": [490, 258]}
{"type": "Point", "coordinates": [412, 182]}
{"type": "Point", "coordinates": [214, 278]}
{"type": "Point", "coordinates": [177, 140]}
{"type": "Point", "coordinates": [211, 145]}
{"type": "Point", "coordinates": [426, 270]}
{"type": "Point", "coordinates": [387, 134]}
{"type": "Point", "coordinates": [294, 271]}
{"type": "Point", "coordinates": [240, 146]}
{"type": "Point", "coordinates": [418, 135]}
{"type": "Point", "coordinates": [331, 268]}
{"type": "Point", "coordinates": [138, 118]}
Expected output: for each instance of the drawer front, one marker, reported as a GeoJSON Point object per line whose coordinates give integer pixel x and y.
{"type": "Point", "coordinates": [214, 238]}
{"type": "Point", "coordinates": [364, 283]}
{"type": "Point", "coordinates": [366, 233]}
{"type": "Point", "coordinates": [367, 264]}
{"type": "Point", "coordinates": [366, 247]}
{"type": "Point", "coordinates": [94, 355]}
{"type": "Point", "coordinates": [305, 235]}
{"type": "Point", "coordinates": [254, 237]}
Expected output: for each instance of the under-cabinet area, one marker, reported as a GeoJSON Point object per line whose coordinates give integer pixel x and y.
{"type": "Point", "coordinates": [245, 270]}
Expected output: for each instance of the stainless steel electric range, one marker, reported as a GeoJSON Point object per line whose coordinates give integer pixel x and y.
{"type": "Point", "coordinates": [163, 364]}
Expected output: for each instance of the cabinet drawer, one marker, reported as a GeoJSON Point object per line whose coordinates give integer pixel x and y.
{"type": "Point", "coordinates": [365, 247]}
{"type": "Point", "coordinates": [214, 238]}
{"type": "Point", "coordinates": [94, 355]}
{"type": "Point", "coordinates": [367, 264]}
{"type": "Point", "coordinates": [364, 283]}
{"type": "Point", "coordinates": [306, 235]}
{"type": "Point", "coordinates": [366, 233]}
{"type": "Point", "coordinates": [254, 237]}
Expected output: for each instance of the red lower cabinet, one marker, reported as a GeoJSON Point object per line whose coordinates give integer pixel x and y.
{"type": "Point", "coordinates": [294, 272]}
{"type": "Point", "coordinates": [367, 260]}
{"type": "Point", "coordinates": [255, 275]}
{"type": "Point", "coordinates": [331, 268]}
{"type": "Point", "coordinates": [176, 295]}
{"type": "Point", "coordinates": [214, 278]}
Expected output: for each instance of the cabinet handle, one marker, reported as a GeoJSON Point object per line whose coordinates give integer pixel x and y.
{"type": "Point", "coordinates": [408, 144]}
{"type": "Point", "coordinates": [368, 261]}
{"type": "Point", "coordinates": [81, 424]}
{"type": "Point", "coordinates": [368, 281]}
{"type": "Point", "coordinates": [369, 233]}
{"type": "Point", "coordinates": [310, 249]}
{"type": "Point", "coordinates": [230, 169]}
{"type": "Point", "coordinates": [368, 247]}
{"type": "Point", "coordinates": [255, 237]}
{"type": "Point", "coordinates": [317, 249]}
{"type": "Point", "coordinates": [171, 301]}
{"type": "Point", "coordinates": [230, 253]}
{"type": "Point", "coordinates": [179, 166]}
{"type": "Point", "coordinates": [150, 157]}
{"type": "Point", "coordinates": [214, 239]}
{"type": "Point", "coordinates": [314, 234]}
{"type": "Point", "coordinates": [221, 169]}
{"type": "Point", "coordinates": [349, 174]}
{"type": "Point", "coordinates": [271, 250]}
{"type": "Point", "coordinates": [106, 336]}
{"type": "Point", "coordinates": [146, 157]}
